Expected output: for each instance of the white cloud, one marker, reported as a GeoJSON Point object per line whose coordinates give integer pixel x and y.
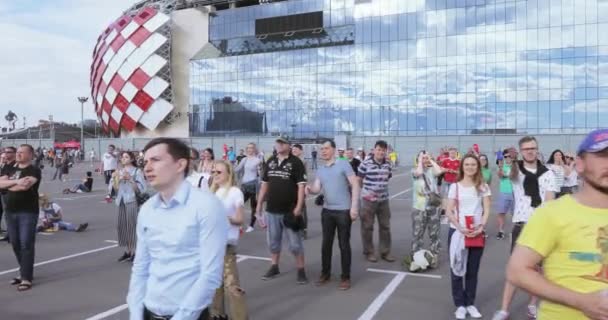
{"type": "Point", "coordinates": [46, 55]}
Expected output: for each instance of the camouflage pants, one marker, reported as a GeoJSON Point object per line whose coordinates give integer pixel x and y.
{"type": "Point", "coordinates": [230, 290]}
{"type": "Point", "coordinates": [421, 221]}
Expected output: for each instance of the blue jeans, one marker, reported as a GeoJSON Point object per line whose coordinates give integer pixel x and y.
{"type": "Point", "coordinates": [274, 235]}
{"type": "Point", "coordinates": [22, 231]}
{"type": "Point", "coordinates": [464, 289]}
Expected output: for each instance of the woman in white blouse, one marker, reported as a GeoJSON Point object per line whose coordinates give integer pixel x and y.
{"type": "Point", "coordinates": [468, 211]}
{"type": "Point", "coordinates": [557, 164]}
{"type": "Point", "coordinates": [224, 187]}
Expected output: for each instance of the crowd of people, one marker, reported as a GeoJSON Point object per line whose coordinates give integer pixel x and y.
{"type": "Point", "coordinates": [181, 213]}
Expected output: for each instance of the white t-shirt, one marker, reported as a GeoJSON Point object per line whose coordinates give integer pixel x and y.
{"type": "Point", "coordinates": [110, 162]}
{"type": "Point", "coordinates": [572, 179]}
{"type": "Point", "coordinates": [232, 199]}
{"type": "Point", "coordinates": [558, 172]}
{"type": "Point", "coordinates": [523, 203]}
{"type": "Point", "coordinates": [56, 208]}
{"type": "Point", "coordinates": [195, 178]}
{"type": "Point", "coordinates": [92, 154]}
{"type": "Point", "coordinates": [470, 201]}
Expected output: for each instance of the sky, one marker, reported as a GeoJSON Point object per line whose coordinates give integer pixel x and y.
{"type": "Point", "coordinates": [46, 55]}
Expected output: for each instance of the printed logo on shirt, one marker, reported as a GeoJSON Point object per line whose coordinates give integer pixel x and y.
{"type": "Point", "coordinates": [601, 257]}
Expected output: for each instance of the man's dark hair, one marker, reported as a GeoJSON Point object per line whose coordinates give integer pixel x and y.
{"type": "Point", "coordinates": [89, 174]}
{"type": "Point", "coordinates": [332, 143]}
{"type": "Point", "coordinates": [175, 147]}
{"type": "Point", "coordinates": [382, 144]}
{"type": "Point", "coordinates": [113, 146]}
{"type": "Point", "coordinates": [28, 146]}
{"type": "Point", "coordinates": [527, 139]}
{"type": "Point", "coordinates": [350, 149]}
{"type": "Point", "coordinates": [12, 148]}
{"type": "Point", "coordinates": [297, 145]}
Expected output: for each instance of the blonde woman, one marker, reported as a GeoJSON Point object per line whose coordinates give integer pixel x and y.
{"type": "Point", "coordinates": [224, 187]}
{"type": "Point", "coordinates": [127, 182]}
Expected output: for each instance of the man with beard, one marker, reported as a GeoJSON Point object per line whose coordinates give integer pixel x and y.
{"type": "Point", "coordinates": [533, 184]}
{"type": "Point", "coordinates": [568, 237]}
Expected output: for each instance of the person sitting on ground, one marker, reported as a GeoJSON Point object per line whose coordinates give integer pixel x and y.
{"type": "Point", "coordinates": [85, 186]}
{"type": "Point", "coordinates": [51, 217]}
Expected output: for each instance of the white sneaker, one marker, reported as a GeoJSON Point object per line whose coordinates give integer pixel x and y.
{"type": "Point", "coordinates": [249, 229]}
{"type": "Point", "coordinates": [461, 313]}
{"type": "Point", "coordinates": [501, 315]}
{"type": "Point", "coordinates": [474, 313]}
{"type": "Point", "coordinates": [532, 312]}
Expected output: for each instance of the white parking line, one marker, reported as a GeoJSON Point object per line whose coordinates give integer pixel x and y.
{"type": "Point", "coordinates": [400, 193]}
{"type": "Point", "coordinates": [111, 241]}
{"type": "Point", "coordinates": [80, 197]}
{"type": "Point", "coordinates": [108, 313]}
{"type": "Point", "coordinates": [421, 275]}
{"type": "Point", "coordinates": [373, 308]}
{"type": "Point", "coordinates": [113, 311]}
{"type": "Point", "coordinates": [62, 258]}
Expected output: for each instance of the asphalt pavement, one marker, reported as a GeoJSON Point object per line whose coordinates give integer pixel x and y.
{"type": "Point", "coordinates": [77, 275]}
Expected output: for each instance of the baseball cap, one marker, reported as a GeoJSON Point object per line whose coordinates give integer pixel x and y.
{"type": "Point", "coordinates": [282, 140]}
{"type": "Point", "coordinates": [595, 141]}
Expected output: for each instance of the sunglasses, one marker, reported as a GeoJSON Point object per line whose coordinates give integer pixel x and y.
{"type": "Point", "coordinates": [217, 172]}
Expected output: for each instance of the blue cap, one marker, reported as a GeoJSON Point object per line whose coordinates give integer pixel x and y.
{"type": "Point", "coordinates": [595, 141]}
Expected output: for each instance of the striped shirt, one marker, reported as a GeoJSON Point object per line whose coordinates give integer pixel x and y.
{"type": "Point", "coordinates": [375, 178]}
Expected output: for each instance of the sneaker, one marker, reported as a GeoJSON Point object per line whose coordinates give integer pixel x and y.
{"type": "Point", "coordinates": [473, 312]}
{"type": "Point", "coordinates": [249, 229]}
{"type": "Point", "coordinates": [532, 312]}
{"type": "Point", "coordinates": [82, 227]}
{"type": "Point", "coordinates": [500, 315]}
{"type": "Point", "coordinates": [323, 280]}
{"type": "Point", "coordinates": [371, 258]}
{"type": "Point", "coordinates": [500, 235]}
{"type": "Point", "coordinates": [271, 273]}
{"type": "Point", "coordinates": [388, 258]}
{"type": "Point", "coordinates": [78, 191]}
{"type": "Point", "coordinates": [461, 313]}
{"type": "Point", "coordinates": [344, 285]}
{"type": "Point", "coordinates": [124, 257]}
{"type": "Point", "coordinates": [302, 279]}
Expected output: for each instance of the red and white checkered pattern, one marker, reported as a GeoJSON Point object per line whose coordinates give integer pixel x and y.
{"type": "Point", "coordinates": [125, 86]}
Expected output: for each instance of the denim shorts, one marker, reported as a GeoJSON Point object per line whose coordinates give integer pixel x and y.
{"type": "Point", "coordinates": [505, 203]}
{"type": "Point", "coordinates": [274, 235]}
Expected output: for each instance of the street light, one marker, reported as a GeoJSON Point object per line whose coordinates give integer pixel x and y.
{"type": "Point", "coordinates": [82, 100]}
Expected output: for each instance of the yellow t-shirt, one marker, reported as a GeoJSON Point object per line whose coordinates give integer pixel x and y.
{"type": "Point", "coordinates": [573, 239]}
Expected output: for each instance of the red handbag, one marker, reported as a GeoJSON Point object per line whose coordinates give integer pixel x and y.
{"type": "Point", "coordinates": [478, 241]}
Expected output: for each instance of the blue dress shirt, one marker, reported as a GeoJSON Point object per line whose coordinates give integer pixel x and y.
{"type": "Point", "coordinates": [180, 254]}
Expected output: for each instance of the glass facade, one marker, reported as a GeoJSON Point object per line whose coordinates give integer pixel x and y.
{"type": "Point", "coordinates": [407, 68]}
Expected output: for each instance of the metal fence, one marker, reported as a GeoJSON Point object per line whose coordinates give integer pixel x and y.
{"type": "Point", "coordinates": [406, 147]}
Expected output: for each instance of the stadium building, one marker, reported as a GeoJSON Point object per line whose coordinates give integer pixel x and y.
{"type": "Point", "coordinates": [358, 68]}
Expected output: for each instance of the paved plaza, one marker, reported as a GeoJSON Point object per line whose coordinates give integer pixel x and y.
{"type": "Point", "coordinates": [77, 276]}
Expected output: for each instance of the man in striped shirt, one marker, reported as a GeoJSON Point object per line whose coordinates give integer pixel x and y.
{"type": "Point", "coordinates": [375, 173]}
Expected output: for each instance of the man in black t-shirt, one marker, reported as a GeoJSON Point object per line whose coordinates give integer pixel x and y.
{"type": "Point", "coordinates": [6, 170]}
{"type": "Point", "coordinates": [22, 213]}
{"type": "Point", "coordinates": [283, 183]}
{"type": "Point", "coordinates": [354, 162]}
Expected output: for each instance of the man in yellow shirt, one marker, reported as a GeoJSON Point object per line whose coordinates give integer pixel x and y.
{"type": "Point", "coordinates": [569, 237]}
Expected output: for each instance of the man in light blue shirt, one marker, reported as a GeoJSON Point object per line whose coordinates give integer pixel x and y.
{"type": "Point", "coordinates": [181, 241]}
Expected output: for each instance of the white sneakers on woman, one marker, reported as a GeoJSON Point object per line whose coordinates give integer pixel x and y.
{"type": "Point", "coordinates": [461, 313]}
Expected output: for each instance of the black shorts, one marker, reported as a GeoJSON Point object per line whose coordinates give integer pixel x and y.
{"type": "Point", "coordinates": [108, 175]}
{"type": "Point", "coordinates": [517, 228]}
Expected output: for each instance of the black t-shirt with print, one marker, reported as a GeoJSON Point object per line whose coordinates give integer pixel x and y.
{"type": "Point", "coordinates": [24, 201]}
{"type": "Point", "coordinates": [283, 179]}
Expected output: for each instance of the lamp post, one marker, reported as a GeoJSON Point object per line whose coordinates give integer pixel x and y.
{"type": "Point", "coordinates": [82, 100]}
